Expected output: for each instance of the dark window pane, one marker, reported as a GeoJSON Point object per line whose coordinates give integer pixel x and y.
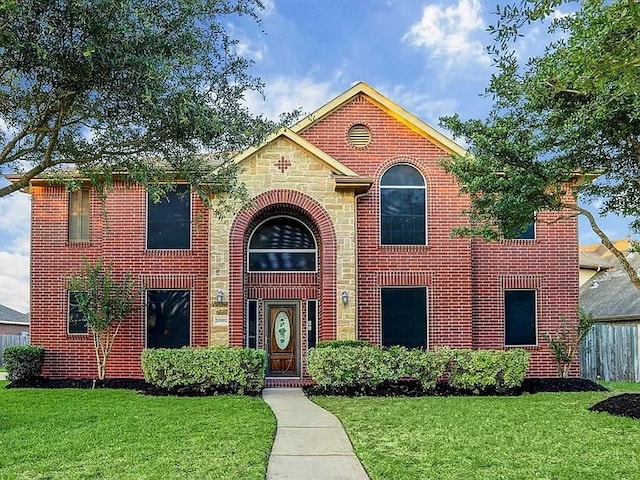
{"type": "Point", "coordinates": [404, 317]}
{"type": "Point", "coordinates": [520, 317]}
{"type": "Point", "coordinates": [402, 175]}
{"type": "Point", "coordinates": [76, 321]}
{"type": "Point", "coordinates": [284, 234]}
{"type": "Point", "coordinates": [402, 216]}
{"type": "Point", "coordinates": [282, 262]}
{"type": "Point", "coordinates": [169, 221]}
{"type": "Point", "coordinates": [252, 324]}
{"type": "Point", "coordinates": [528, 233]}
{"type": "Point", "coordinates": [168, 318]}
{"type": "Point", "coordinates": [312, 323]}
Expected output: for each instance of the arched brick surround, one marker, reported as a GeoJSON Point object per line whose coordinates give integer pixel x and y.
{"type": "Point", "coordinates": [305, 206]}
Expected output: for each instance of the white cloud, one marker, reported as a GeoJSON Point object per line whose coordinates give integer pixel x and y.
{"type": "Point", "coordinates": [447, 32]}
{"type": "Point", "coordinates": [422, 105]}
{"type": "Point", "coordinates": [14, 281]}
{"type": "Point", "coordinates": [284, 94]}
{"type": "Point", "coordinates": [247, 49]}
{"type": "Point", "coordinates": [14, 251]}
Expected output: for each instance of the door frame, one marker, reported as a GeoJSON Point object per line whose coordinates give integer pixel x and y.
{"type": "Point", "coordinates": [268, 304]}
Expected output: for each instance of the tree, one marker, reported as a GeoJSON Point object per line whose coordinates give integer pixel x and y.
{"type": "Point", "coordinates": [146, 87]}
{"type": "Point", "coordinates": [104, 302]}
{"type": "Point", "coordinates": [558, 121]}
{"type": "Point", "coordinates": [566, 341]}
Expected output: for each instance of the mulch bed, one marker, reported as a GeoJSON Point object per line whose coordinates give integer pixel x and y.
{"type": "Point", "coordinates": [625, 405]}
{"type": "Point", "coordinates": [138, 385]}
{"type": "Point", "coordinates": [411, 388]}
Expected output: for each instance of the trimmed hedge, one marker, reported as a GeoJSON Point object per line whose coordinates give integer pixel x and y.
{"type": "Point", "coordinates": [480, 370]}
{"type": "Point", "coordinates": [369, 366]}
{"type": "Point", "coordinates": [218, 368]}
{"type": "Point", "coordinates": [23, 361]}
{"type": "Point", "coordinates": [339, 367]}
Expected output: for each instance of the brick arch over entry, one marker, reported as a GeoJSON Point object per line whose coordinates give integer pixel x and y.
{"type": "Point", "coordinates": [238, 237]}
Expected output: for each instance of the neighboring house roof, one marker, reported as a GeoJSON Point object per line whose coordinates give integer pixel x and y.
{"type": "Point", "coordinates": [597, 256]}
{"type": "Point", "coordinates": [609, 294]}
{"type": "Point", "coordinates": [9, 315]}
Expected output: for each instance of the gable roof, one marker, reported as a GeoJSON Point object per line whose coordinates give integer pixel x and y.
{"type": "Point", "coordinates": [609, 295]}
{"type": "Point", "coordinates": [304, 144]}
{"type": "Point", "coordinates": [12, 316]}
{"type": "Point", "coordinates": [388, 106]}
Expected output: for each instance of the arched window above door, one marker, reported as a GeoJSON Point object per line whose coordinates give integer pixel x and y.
{"type": "Point", "coordinates": [282, 244]}
{"type": "Point", "coordinates": [402, 206]}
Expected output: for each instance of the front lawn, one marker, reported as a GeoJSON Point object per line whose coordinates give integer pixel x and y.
{"type": "Point", "coordinates": [73, 434]}
{"type": "Point", "coordinates": [545, 436]}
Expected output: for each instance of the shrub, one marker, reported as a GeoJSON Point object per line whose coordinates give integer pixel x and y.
{"type": "Point", "coordinates": [343, 343]}
{"type": "Point", "coordinates": [23, 361]}
{"type": "Point", "coordinates": [481, 370]}
{"type": "Point", "coordinates": [229, 369]}
{"type": "Point", "coordinates": [369, 366]}
{"type": "Point", "coordinates": [343, 366]}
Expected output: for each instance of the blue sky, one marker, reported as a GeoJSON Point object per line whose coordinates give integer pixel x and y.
{"type": "Point", "coordinates": [428, 56]}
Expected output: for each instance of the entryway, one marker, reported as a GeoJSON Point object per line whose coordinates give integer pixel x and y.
{"type": "Point", "coordinates": [283, 339]}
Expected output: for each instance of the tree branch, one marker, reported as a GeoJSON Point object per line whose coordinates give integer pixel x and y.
{"type": "Point", "coordinates": [628, 268]}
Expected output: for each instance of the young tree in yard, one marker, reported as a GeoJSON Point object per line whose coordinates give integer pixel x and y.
{"type": "Point", "coordinates": [574, 109]}
{"type": "Point", "coordinates": [138, 86]}
{"type": "Point", "coordinates": [104, 302]}
{"type": "Point", "coordinates": [564, 345]}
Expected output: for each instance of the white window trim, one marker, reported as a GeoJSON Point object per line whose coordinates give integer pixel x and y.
{"type": "Point", "coordinates": [535, 317]}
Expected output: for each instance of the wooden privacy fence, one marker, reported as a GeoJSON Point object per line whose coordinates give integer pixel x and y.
{"type": "Point", "coordinates": [611, 351]}
{"type": "Point", "coordinates": [7, 340]}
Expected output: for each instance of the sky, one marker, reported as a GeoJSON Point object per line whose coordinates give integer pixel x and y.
{"type": "Point", "coordinates": [428, 56]}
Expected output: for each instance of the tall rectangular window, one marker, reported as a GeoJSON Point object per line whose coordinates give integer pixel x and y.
{"type": "Point", "coordinates": [168, 318]}
{"type": "Point", "coordinates": [404, 316]}
{"type": "Point", "coordinates": [169, 220]}
{"type": "Point", "coordinates": [312, 323]}
{"type": "Point", "coordinates": [520, 317]}
{"type": "Point", "coordinates": [79, 215]}
{"type": "Point", "coordinates": [252, 324]}
{"type": "Point", "coordinates": [76, 323]}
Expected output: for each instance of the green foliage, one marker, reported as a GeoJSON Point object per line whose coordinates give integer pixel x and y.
{"type": "Point", "coordinates": [564, 344]}
{"type": "Point", "coordinates": [23, 361]}
{"type": "Point", "coordinates": [205, 369]}
{"type": "Point", "coordinates": [572, 110]}
{"type": "Point", "coordinates": [104, 302]}
{"type": "Point", "coordinates": [370, 366]}
{"type": "Point", "coordinates": [342, 343]}
{"type": "Point", "coordinates": [480, 370]}
{"type": "Point", "coordinates": [138, 86]}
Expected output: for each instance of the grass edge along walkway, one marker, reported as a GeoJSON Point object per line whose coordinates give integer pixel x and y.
{"type": "Point", "coordinates": [74, 433]}
{"type": "Point", "coordinates": [543, 435]}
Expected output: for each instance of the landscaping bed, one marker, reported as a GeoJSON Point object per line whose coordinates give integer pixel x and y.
{"type": "Point", "coordinates": [138, 385]}
{"type": "Point", "coordinates": [411, 388]}
{"type": "Point", "coordinates": [625, 405]}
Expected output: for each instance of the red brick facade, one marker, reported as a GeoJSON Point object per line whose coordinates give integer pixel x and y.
{"type": "Point", "coordinates": [465, 279]}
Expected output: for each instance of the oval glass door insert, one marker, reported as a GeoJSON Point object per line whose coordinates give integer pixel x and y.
{"type": "Point", "coordinates": [283, 330]}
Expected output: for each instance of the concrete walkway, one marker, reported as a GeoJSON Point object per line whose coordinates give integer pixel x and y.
{"type": "Point", "coordinates": [310, 443]}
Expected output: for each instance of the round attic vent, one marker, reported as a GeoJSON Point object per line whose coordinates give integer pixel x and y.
{"type": "Point", "coordinates": [359, 136]}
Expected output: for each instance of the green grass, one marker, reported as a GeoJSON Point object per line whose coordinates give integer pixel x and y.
{"type": "Point", "coordinates": [619, 387]}
{"type": "Point", "coordinates": [117, 434]}
{"type": "Point", "coordinates": [541, 436]}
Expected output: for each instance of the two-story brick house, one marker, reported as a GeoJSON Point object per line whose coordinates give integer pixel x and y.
{"type": "Point", "coordinates": [347, 237]}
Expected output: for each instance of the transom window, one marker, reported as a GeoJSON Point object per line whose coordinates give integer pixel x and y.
{"type": "Point", "coordinates": [282, 244]}
{"type": "Point", "coordinates": [402, 207]}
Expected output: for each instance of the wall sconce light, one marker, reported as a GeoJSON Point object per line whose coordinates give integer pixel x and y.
{"type": "Point", "coordinates": [220, 296]}
{"type": "Point", "coordinates": [345, 297]}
